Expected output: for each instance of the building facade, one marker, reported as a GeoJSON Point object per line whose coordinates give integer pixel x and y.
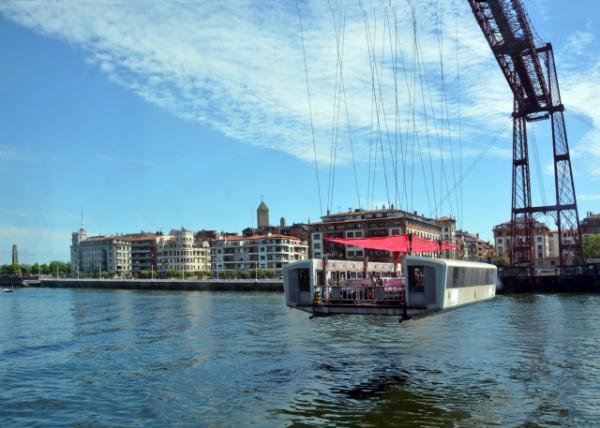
{"type": "Point", "coordinates": [246, 253]}
{"type": "Point", "coordinates": [182, 252]}
{"type": "Point", "coordinates": [144, 251]}
{"type": "Point", "coordinates": [473, 248]}
{"type": "Point", "coordinates": [96, 254]}
{"type": "Point", "coordinates": [541, 242]}
{"type": "Point", "coordinates": [590, 225]}
{"type": "Point", "coordinates": [374, 223]}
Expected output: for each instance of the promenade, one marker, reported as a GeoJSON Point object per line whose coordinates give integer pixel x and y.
{"type": "Point", "coordinates": [270, 285]}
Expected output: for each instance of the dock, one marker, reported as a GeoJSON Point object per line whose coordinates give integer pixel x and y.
{"type": "Point", "coordinates": [571, 279]}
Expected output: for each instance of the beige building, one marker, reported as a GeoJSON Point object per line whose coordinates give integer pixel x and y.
{"type": "Point", "coordinates": [95, 254]}
{"type": "Point", "coordinates": [569, 239]}
{"type": "Point", "coordinates": [245, 253]}
{"type": "Point", "coordinates": [541, 242]}
{"type": "Point", "coordinates": [181, 252]}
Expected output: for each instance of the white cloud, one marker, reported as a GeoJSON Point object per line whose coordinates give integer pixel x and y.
{"type": "Point", "coordinates": [578, 42]}
{"type": "Point", "coordinates": [589, 197]}
{"type": "Point", "coordinates": [238, 66]}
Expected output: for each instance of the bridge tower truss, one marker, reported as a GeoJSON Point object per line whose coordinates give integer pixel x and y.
{"type": "Point", "coordinates": [529, 68]}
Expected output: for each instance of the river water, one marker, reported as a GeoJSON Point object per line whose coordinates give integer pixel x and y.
{"type": "Point", "coordinates": [142, 358]}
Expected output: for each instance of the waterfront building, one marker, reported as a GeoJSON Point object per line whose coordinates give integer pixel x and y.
{"type": "Point", "coordinates": [182, 252]}
{"type": "Point", "coordinates": [372, 223]}
{"type": "Point", "coordinates": [569, 239]}
{"type": "Point", "coordinates": [144, 251]}
{"type": "Point", "coordinates": [246, 253]}
{"type": "Point", "coordinates": [590, 225]}
{"type": "Point", "coordinates": [541, 242]}
{"type": "Point", "coordinates": [472, 247]}
{"type": "Point", "coordinates": [448, 233]}
{"type": "Point", "coordinates": [95, 254]}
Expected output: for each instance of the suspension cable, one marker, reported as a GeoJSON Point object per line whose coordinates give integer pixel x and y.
{"type": "Point", "coordinates": [312, 128]}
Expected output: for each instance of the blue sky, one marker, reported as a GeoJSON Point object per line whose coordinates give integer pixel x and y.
{"type": "Point", "coordinates": [183, 114]}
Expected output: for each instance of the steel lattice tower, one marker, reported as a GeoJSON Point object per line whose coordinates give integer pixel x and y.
{"type": "Point", "coordinates": [530, 71]}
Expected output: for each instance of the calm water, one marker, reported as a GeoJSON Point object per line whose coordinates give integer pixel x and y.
{"type": "Point", "coordinates": [86, 357]}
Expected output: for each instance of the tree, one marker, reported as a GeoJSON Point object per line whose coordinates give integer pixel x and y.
{"type": "Point", "coordinates": [172, 273]}
{"type": "Point", "coordinates": [145, 274]}
{"type": "Point", "coordinates": [501, 260]}
{"type": "Point", "coordinates": [591, 246]}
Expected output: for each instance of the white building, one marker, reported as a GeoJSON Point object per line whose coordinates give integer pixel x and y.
{"type": "Point", "coordinates": [541, 241]}
{"type": "Point", "coordinates": [97, 254]}
{"type": "Point", "coordinates": [245, 253]}
{"type": "Point", "coordinates": [569, 239]}
{"type": "Point", "coordinates": [181, 252]}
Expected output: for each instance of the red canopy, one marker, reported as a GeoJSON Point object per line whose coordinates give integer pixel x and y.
{"type": "Point", "coordinates": [396, 243]}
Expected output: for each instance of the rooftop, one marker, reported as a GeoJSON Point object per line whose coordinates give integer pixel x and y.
{"type": "Point", "coordinates": [255, 237]}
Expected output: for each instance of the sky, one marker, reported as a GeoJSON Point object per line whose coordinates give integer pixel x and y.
{"type": "Point", "coordinates": [157, 115]}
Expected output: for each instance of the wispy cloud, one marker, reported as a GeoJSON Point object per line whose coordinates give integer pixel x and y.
{"type": "Point", "coordinates": [589, 197]}
{"type": "Point", "coordinates": [578, 42]}
{"type": "Point", "coordinates": [106, 158]}
{"type": "Point", "coordinates": [16, 213]}
{"type": "Point", "coordinates": [9, 153]}
{"type": "Point", "coordinates": [238, 67]}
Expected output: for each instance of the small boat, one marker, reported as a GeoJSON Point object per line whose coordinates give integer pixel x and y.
{"type": "Point", "coordinates": [9, 290]}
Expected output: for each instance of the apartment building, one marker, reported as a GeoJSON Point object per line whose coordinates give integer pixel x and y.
{"type": "Point", "coordinates": [373, 223]}
{"type": "Point", "coordinates": [182, 252]}
{"type": "Point", "coordinates": [245, 253]}
{"type": "Point", "coordinates": [96, 254]}
{"type": "Point", "coordinates": [144, 251]}
{"type": "Point", "coordinates": [541, 241]}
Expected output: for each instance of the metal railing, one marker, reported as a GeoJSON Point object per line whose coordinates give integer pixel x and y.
{"type": "Point", "coordinates": [386, 291]}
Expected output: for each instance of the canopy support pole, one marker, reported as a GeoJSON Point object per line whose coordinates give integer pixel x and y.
{"type": "Point", "coordinates": [325, 284]}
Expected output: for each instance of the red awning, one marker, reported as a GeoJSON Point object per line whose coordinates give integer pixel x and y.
{"type": "Point", "coordinates": [396, 243]}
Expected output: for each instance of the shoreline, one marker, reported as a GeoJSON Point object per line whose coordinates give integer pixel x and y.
{"type": "Point", "coordinates": [162, 284]}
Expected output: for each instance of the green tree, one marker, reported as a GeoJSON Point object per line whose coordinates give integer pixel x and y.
{"type": "Point", "coordinates": [501, 260]}
{"type": "Point", "coordinates": [591, 246]}
{"type": "Point", "coordinates": [172, 273]}
{"type": "Point", "coordinates": [145, 274]}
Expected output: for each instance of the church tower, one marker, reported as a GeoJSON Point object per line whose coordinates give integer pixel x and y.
{"type": "Point", "coordinates": [262, 215]}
